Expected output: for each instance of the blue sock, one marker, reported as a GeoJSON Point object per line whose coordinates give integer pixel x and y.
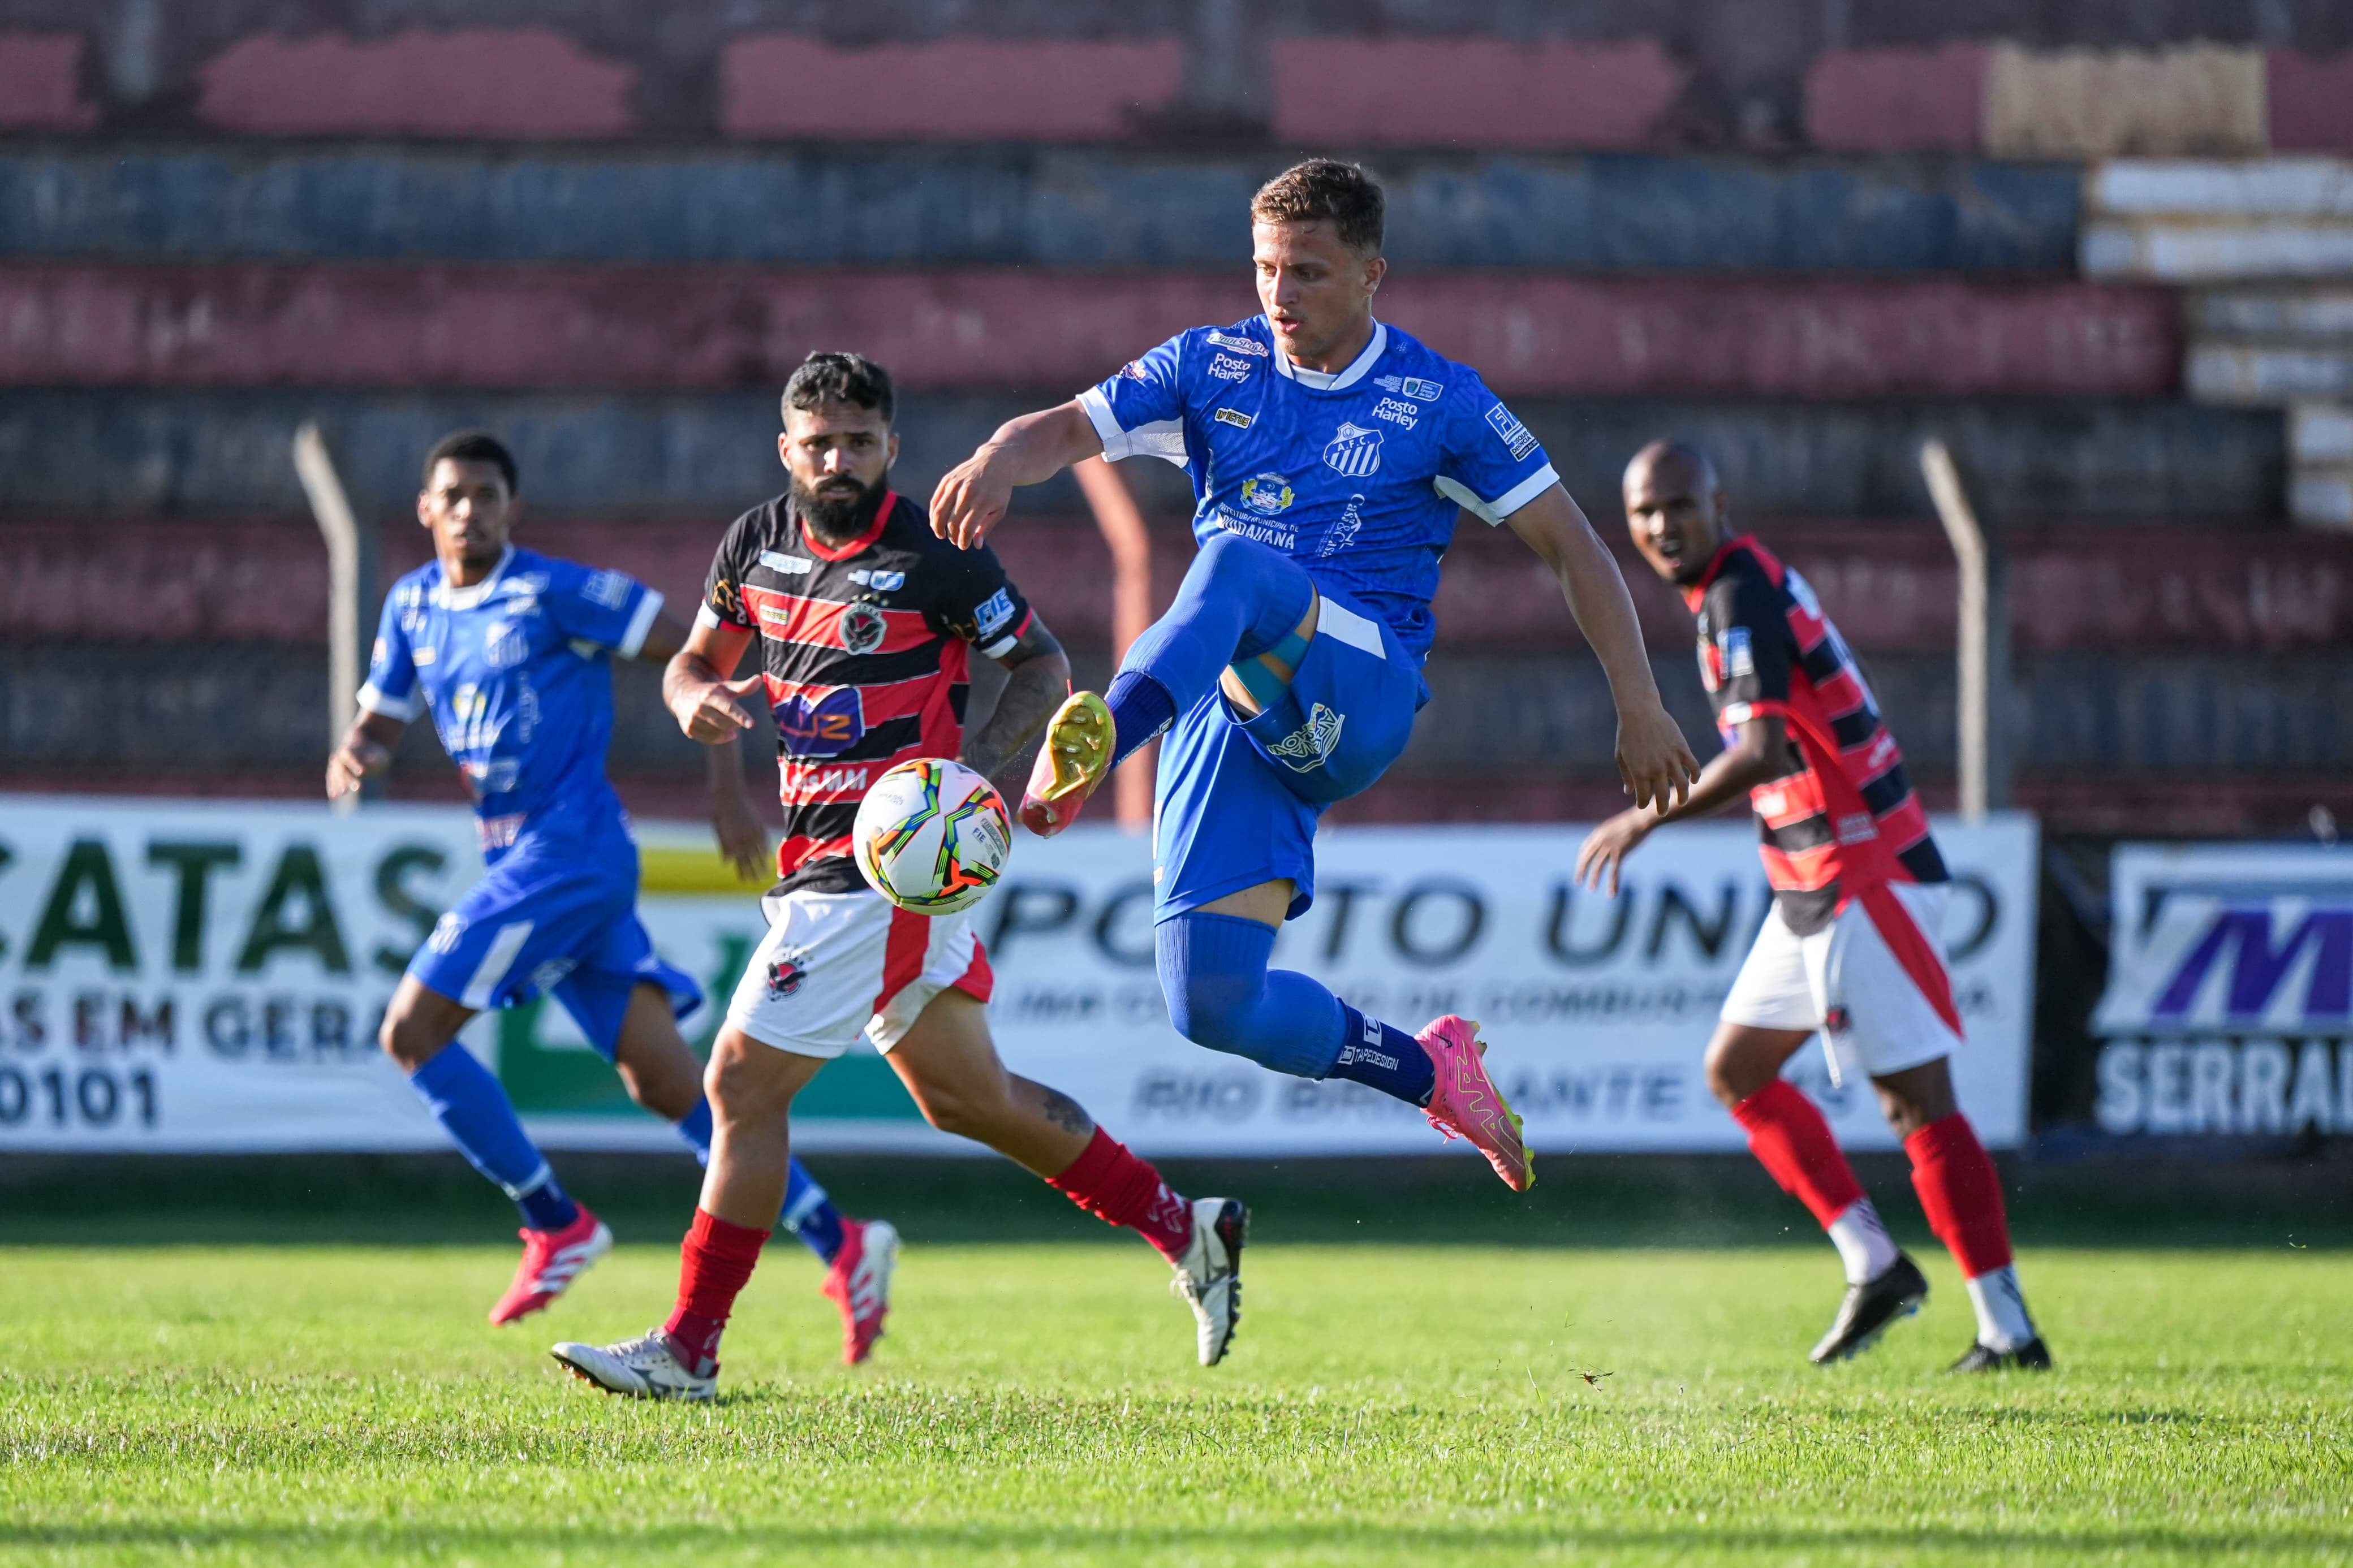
{"type": "Point", "coordinates": [808, 1212]}
{"type": "Point", "coordinates": [1384, 1057]}
{"type": "Point", "coordinates": [1141, 711]}
{"type": "Point", "coordinates": [1221, 994]}
{"type": "Point", "coordinates": [479, 1119]}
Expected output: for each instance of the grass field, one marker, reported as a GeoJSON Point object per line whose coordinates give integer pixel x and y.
{"type": "Point", "coordinates": [1036, 1401]}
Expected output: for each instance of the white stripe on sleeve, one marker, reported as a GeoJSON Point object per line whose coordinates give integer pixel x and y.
{"type": "Point", "coordinates": [639, 624]}
{"type": "Point", "coordinates": [404, 708]}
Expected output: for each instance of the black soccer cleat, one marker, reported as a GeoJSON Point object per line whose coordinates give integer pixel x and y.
{"type": "Point", "coordinates": [1870, 1307]}
{"type": "Point", "coordinates": [2031, 1356]}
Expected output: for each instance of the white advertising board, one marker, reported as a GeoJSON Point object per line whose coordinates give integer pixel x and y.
{"type": "Point", "coordinates": [192, 976]}
{"type": "Point", "coordinates": [2230, 1000]}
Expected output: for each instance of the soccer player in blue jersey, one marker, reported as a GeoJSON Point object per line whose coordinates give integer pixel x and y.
{"type": "Point", "coordinates": [1330, 457]}
{"type": "Point", "coordinates": [510, 649]}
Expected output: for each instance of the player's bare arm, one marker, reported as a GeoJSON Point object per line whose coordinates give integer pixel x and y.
{"type": "Point", "coordinates": [1725, 781]}
{"type": "Point", "coordinates": [697, 690]}
{"type": "Point", "coordinates": [367, 749]}
{"type": "Point", "coordinates": [1037, 676]}
{"type": "Point", "coordinates": [972, 498]}
{"type": "Point", "coordinates": [1654, 758]}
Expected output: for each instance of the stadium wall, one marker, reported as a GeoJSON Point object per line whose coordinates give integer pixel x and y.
{"type": "Point", "coordinates": [1809, 235]}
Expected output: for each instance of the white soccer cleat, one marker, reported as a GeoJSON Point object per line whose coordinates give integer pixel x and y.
{"type": "Point", "coordinates": [642, 1368]}
{"type": "Point", "coordinates": [1210, 1277]}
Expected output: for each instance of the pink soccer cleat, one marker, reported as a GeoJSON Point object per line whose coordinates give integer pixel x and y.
{"type": "Point", "coordinates": [1073, 761]}
{"type": "Point", "coordinates": [860, 1284]}
{"type": "Point", "coordinates": [552, 1259]}
{"type": "Point", "coordinates": [1465, 1102]}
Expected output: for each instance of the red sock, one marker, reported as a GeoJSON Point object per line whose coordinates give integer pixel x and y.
{"type": "Point", "coordinates": [1961, 1193]}
{"type": "Point", "coordinates": [715, 1264]}
{"type": "Point", "coordinates": [1112, 1184]}
{"type": "Point", "coordinates": [1791, 1139]}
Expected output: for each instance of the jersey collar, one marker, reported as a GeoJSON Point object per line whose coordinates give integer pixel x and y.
{"type": "Point", "coordinates": [1698, 591]}
{"type": "Point", "coordinates": [825, 551]}
{"type": "Point", "coordinates": [1331, 380]}
{"type": "Point", "coordinates": [451, 598]}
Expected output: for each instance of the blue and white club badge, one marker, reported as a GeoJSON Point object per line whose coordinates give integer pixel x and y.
{"type": "Point", "coordinates": [1354, 451]}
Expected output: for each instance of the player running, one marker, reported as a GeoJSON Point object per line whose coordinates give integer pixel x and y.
{"type": "Point", "coordinates": [865, 623]}
{"type": "Point", "coordinates": [1848, 948]}
{"type": "Point", "coordinates": [510, 650]}
{"type": "Point", "coordinates": [1329, 456]}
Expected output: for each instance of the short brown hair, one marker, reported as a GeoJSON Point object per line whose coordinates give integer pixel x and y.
{"type": "Point", "coordinates": [1324, 190]}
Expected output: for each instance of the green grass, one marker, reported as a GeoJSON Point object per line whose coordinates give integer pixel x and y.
{"type": "Point", "coordinates": [1036, 1403]}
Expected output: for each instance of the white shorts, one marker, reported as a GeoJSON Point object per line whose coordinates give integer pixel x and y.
{"type": "Point", "coordinates": [834, 965]}
{"type": "Point", "coordinates": [1876, 1014]}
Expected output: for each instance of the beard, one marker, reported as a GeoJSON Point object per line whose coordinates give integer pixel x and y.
{"type": "Point", "coordinates": [835, 515]}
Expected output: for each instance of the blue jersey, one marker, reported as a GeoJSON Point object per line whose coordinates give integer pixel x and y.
{"type": "Point", "coordinates": [1357, 475]}
{"type": "Point", "coordinates": [517, 671]}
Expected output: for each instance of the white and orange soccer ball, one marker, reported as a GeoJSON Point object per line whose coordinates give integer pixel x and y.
{"type": "Point", "coordinates": [932, 836]}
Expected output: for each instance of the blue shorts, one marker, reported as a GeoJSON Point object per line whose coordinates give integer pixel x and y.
{"type": "Point", "coordinates": [558, 916]}
{"type": "Point", "coordinates": [1239, 798]}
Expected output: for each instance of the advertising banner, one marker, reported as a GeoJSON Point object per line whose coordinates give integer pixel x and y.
{"type": "Point", "coordinates": [2230, 1000]}
{"type": "Point", "coordinates": [209, 977]}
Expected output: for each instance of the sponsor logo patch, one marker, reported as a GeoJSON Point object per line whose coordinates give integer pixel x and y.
{"type": "Point", "coordinates": [995, 612]}
{"type": "Point", "coordinates": [1233, 417]}
{"type": "Point", "coordinates": [790, 565]}
{"type": "Point", "coordinates": [881, 581]}
{"type": "Point", "coordinates": [1354, 451]}
{"type": "Point", "coordinates": [864, 629]}
{"type": "Point", "coordinates": [1739, 655]}
{"type": "Point", "coordinates": [1513, 435]}
{"type": "Point", "coordinates": [1308, 747]}
{"type": "Point", "coordinates": [1344, 532]}
{"type": "Point", "coordinates": [1227, 368]}
{"type": "Point", "coordinates": [820, 724]}
{"type": "Point", "coordinates": [608, 588]}
{"type": "Point", "coordinates": [1238, 344]}
{"type": "Point", "coordinates": [1406, 414]}
{"type": "Point", "coordinates": [1266, 493]}
{"type": "Point", "coordinates": [1133, 370]}
{"type": "Point", "coordinates": [1411, 387]}
{"type": "Point", "coordinates": [423, 654]}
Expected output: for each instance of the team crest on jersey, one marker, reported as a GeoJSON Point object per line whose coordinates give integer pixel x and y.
{"type": "Point", "coordinates": [863, 629]}
{"type": "Point", "coordinates": [1310, 746]}
{"type": "Point", "coordinates": [824, 721]}
{"type": "Point", "coordinates": [787, 971]}
{"type": "Point", "coordinates": [1266, 493]}
{"type": "Point", "coordinates": [1354, 451]}
{"type": "Point", "coordinates": [504, 644]}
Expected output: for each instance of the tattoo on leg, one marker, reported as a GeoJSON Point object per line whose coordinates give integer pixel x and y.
{"type": "Point", "coordinates": [1067, 1113]}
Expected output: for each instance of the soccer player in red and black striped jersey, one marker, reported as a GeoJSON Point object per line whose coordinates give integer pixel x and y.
{"type": "Point", "coordinates": [865, 623]}
{"type": "Point", "coordinates": [1850, 948]}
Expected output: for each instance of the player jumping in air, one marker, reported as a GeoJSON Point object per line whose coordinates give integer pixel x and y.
{"type": "Point", "coordinates": [1330, 457]}
{"type": "Point", "coordinates": [1849, 947]}
{"type": "Point", "coordinates": [509, 648]}
{"type": "Point", "coordinates": [865, 625]}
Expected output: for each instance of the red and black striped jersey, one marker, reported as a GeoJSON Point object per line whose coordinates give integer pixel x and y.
{"type": "Point", "coordinates": [865, 651]}
{"type": "Point", "coordinates": [1842, 813]}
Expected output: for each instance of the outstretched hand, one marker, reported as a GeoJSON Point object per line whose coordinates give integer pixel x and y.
{"type": "Point", "coordinates": [1604, 851]}
{"type": "Point", "coordinates": [743, 840]}
{"type": "Point", "coordinates": [714, 713]}
{"type": "Point", "coordinates": [1654, 758]}
{"type": "Point", "coordinates": [353, 761]}
{"type": "Point", "coordinates": [971, 499]}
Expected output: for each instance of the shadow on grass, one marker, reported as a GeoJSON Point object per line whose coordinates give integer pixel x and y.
{"type": "Point", "coordinates": [801, 1540]}
{"type": "Point", "coordinates": [1581, 1201]}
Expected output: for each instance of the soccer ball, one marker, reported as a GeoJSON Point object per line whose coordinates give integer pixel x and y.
{"type": "Point", "coordinates": [932, 836]}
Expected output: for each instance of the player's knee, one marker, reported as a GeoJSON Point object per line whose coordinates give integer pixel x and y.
{"type": "Point", "coordinates": [744, 1080]}
{"type": "Point", "coordinates": [1214, 1010]}
{"type": "Point", "coordinates": [1723, 1081]}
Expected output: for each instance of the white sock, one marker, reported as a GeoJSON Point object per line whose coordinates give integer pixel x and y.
{"type": "Point", "coordinates": [1863, 1243]}
{"type": "Point", "coordinates": [2002, 1322]}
